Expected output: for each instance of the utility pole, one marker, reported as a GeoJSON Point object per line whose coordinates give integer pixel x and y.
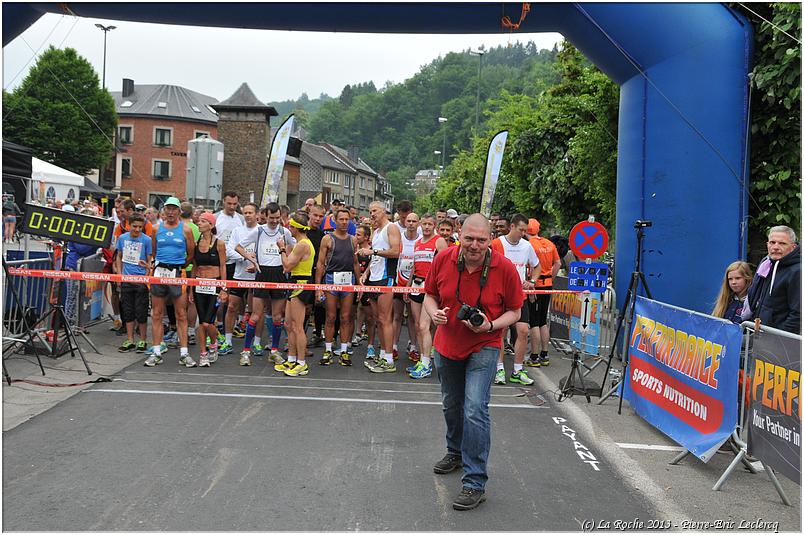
{"type": "Point", "coordinates": [105, 29]}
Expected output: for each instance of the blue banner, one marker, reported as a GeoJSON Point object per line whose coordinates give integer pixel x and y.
{"type": "Point", "coordinates": [682, 374]}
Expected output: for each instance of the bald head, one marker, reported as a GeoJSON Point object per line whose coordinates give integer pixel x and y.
{"type": "Point", "coordinates": [478, 224]}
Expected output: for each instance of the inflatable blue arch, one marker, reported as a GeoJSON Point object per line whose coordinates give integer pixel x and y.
{"type": "Point", "coordinates": [683, 73]}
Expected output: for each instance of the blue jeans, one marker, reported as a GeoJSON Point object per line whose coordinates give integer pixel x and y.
{"type": "Point", "coordinates": [465, 395]}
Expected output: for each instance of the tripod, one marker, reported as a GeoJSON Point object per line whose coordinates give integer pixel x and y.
{"type": "Point", "coordinates": [627, 314]}
{"type": "Point", "coordinates": [568, 388]}
{"type": "Point", "coordinates": [59, 319]}
{"type": "Point", "coordinates": [28, 328]}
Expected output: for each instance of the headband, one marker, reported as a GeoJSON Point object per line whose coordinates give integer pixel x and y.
{"type": "Point", "coordinates": [294, 223]}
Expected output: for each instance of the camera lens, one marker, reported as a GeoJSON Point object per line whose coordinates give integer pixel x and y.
{"type": "Point", "coordinates": [476, 320]}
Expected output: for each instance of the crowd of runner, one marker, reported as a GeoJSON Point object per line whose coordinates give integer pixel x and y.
{"type": "Point", "coordinates": [335, 246]}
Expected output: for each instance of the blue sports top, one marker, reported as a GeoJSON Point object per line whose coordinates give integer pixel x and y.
{"type": "Point", "coordinates": [171, 246]}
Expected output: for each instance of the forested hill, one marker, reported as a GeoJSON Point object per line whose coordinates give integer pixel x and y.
{"type": "Point", "coordinates": [396, 126]}
{"type": "Point", "coordinates": [303, 107]}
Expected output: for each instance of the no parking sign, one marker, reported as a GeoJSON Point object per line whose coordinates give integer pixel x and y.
{"type": "Point", "coordinates": [588, 239]}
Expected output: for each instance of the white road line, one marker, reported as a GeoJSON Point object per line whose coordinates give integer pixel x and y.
{"type": "Point", "coordinates": [659, 447]}
{"type": "Point", "coordinates": [144, 381]}
{"type": "Point", "coordinates": [297, 398]}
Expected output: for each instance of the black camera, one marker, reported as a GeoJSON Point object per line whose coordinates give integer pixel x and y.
{"type": "Point", "coordinates": [474, 315]}
{"type": "Point", "coordinates": [640, 223]}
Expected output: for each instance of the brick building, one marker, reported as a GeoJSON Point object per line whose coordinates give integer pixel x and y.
{"type": "Point", "coordinates": [155, 124]}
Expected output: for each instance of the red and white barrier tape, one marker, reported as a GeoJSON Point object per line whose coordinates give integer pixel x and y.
{"type": "Point", "coordinates": [188, 281]}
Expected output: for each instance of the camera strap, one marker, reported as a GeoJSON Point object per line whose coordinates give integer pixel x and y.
{"type": "Point", "coordinates": [484, 275]}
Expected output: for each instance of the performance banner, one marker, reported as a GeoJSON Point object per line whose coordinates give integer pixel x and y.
{"type": "Point", "coordinates": [682, 374]}
{"type": "Point", "coordinates": [276, 162]}
{"type": "Point", "coordinates": [560, 310]}
{"type": "Point", "coordinates": [493, 164]}
{"type": "Point", "coordinates": [774, 415]}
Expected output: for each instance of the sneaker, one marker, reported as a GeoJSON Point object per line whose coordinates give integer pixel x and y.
{"type": "Point", "coordinates": [237, 332]}
{"type": "Point", "coordinates": [356, 341]}
{"type": "Point", "coordinates": [276, 357]}
{"type": "Point", "coordinates": [544, 360]}
{"type": "Point", "coordinates": [142, 345]}
{"type": "Point", "coordinates": [450, 462]}
{"type": "Point", "coordinates": [221, 338]}
{"type": "Point", "coordinates": [371, 353]}
{"type": "Point", "coordinates": [224, 349]}
{"type": "Point", "coordinates": [382, 366]}
{"type": "Point", "coordinates": [152, 361]}
{"type": "Point", "coordinates": [326, 358]}
{"type": "Point", "coordinates": [284, 366]}
{"type": "Point", "coordinates": [191, 339]}
{"type": "Point", "coordinates": [412, 367]}
{"type": "Point", "coordinates": [163, 348]}
{"type": "Point", "coordinates": [126, 346]}
{"type": "Point", "coordinates": [116, 324]}
{"type": "Point", "coordinates": [257, 350]}
{"type": "Point", "coordinates": [521, 377]}
{"type": "Point", "coordinates": [509, 349]}
{"type": "Point", "coordinates": [203, 361]}
{"type": "Point", "coordinates": [532, 361]}
{"type": "Point", "coordinates": [212, 353]}
{"type": "Point", "coordinates": [316, 340]}
{"type": "Point", "coordinates": [421, 371]}
{"type": "Point", "coordinates": [245, 358]}
{"type": "Point", "coordinates": [413, 356]}
{"type": "Point", "coordinates": [297, 370]}
{"type": "Point", "coordinates": [171, 339]}
{"type": "Point", "coordinates": [499, 378]}
{"type": "Point", "coordinates": [396, 354]}
{"type": "Point", "coordinates": [187, 361]}
{"type": "Point", "coordinates": [371, 358]}
{"type": "Point", "coordinates": [345, 359]}
{"type": "Point", "coordinates": [469, 498]}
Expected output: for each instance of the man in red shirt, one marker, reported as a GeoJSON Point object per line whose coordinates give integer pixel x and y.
{"type": "Point", "coordinates": [466, 353]}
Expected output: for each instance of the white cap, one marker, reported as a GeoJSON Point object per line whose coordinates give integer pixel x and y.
{"type": "Point", "coordinates": [451, 213]}
{"type": "Point", "coordinates": [68, 208]}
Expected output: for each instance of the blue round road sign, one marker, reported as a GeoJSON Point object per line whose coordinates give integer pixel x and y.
{"type": "Point", "coordinates": [588, 240]}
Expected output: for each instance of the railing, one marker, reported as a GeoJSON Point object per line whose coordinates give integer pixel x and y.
{"type": "Point", "coordinates": [33, 293]}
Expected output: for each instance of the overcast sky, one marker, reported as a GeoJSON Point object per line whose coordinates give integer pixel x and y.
{"type": "Point", "coordinates": [215, 61]}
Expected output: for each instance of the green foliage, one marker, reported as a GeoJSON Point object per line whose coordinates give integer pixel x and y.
{"type": "Point", "coordinates": [42, 113]}
{"type": "Point", "coordinates": [775, 181]}
{"type": "Point", "coordinates": [286, 107]}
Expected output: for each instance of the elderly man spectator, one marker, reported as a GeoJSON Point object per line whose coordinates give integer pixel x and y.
{"type": "Point", "coordinates": [775, 294]}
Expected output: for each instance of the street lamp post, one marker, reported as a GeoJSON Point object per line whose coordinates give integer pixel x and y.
{"type": "Point", "coordinates": [479, 53]}
{"type": "Point", "coordinates": [443, 120]}
{"type": "Point", "coordinates": [105, 29]}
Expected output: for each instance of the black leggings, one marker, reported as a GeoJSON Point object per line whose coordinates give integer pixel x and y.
{"type": "Point", "coordinates": [207, 307]}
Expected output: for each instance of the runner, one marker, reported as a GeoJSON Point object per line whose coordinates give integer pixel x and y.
{"type": "Point", "coordinates": [445, 229]}
{"type": "Point", "coordinates": [299, 263]}
{"type": "Point", "coordinates": [518, 250]}
{"type": "Point", "coordinates": [242, 238]}
{"type": "Point", "coordinates": [187, 211]}
{"type": "Point", "coordinates": [385, 244]}
{"type": "Point", "coordinates": [410, 234]}
{"type": "Point", "coordinates": [315, 234]}
{"type": "Point", "coordinates": [337, 264]}
{"type": "Point", "coordinates": [226, 221]}
{"type": "Point", "coordinates": [135, 255]}
{"type": "Point", "coordinates": [209, 263]}
{"type": "Point", "coordinates": [539, 304]}
{"type": "Point", "coordinates": [425, 250]}
{"type": "Point", "coordinates": [174, 250]}
{"type": "Point", "coordinates": [364, 313]}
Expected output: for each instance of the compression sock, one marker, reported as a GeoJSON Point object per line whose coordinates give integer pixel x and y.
{"type": "Point", "coordinates": [276, 334]}
{"type": "Point", "coordinates": [250, 328]}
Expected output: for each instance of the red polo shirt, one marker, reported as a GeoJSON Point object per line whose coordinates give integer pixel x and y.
{"type": "Point", "coordinates": [503, 291]}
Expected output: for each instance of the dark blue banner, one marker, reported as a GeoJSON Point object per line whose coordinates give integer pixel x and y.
{"type": "Point", "coordinates": [682, 374]}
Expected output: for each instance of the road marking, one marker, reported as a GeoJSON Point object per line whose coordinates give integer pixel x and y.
{"type": "Point", "coordinates": [297, 398]}
{"type": "Point", "coordinates": [659, 447]}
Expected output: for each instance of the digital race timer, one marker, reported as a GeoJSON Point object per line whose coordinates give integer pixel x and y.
{"type": "Point", "coordinates": [67, 226]}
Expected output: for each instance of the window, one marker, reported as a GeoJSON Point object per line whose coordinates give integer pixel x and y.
{"type": "Point", "coordinates": [125, 167]}
{"type": "Point", "coordinates": [161, 104]}
{"type": "Point", "coordinates": [125, 134]}
{"type": "Point", "coordinates": [196, 109]}
{"type": "Point", "coordinates": [336, 179]}
{"type": "Point", "coordinates": [126, 104]}
{"type": "Point", "coordinates": [363, 182]}
{"type": "Point", "coordinates": [162, 136]}
{"type": "Point", "coordinates": [158, 199]}
{"type": "Point", "coordinates": [161, 169]}
{"type": "Point", "coordinates": [199, 133]}
{"type": "Point", "coordinates": [211, 109]}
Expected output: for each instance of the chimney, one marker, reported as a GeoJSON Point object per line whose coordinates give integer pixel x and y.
{"type": "Point", "coordinates": [354, 153]}
{"type": "Point", "coordinates": [128, 87]}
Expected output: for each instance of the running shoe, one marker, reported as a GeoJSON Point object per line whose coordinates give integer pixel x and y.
{"type": "Point", "coordinates": [257, 350]}
{"type": "Point", "coordinates": [297, 370]}
{"type": "Point", "coordinates": [225, 348]}
{"type": "Point", "coordinates": [413, 356]}
{"type": "Point", "coordinates": [187, 361]}
{"type": "Point", "coordinates": [371, 358]}
{"type": "Point", "coordinates": [356, 341]}
{"type": "Point", "coordinates": [163, 348]}
{"type": "Point", "coordinates": [276, 357]}
{"type": "Point", "coordinates": [284, 366]}
{"type": "Point", "coordinates": [316, 340]}
{"type": "Point", "coordinates": [152, 361]}
{"type": "Point", "coordinates": [191, 338]}
{"type": "Point", "coordinates": [171, 339]}
{"type": "Point", "coordinates": [499, 377]}
{"type": "Point", "coordinates": [544, 360]}
{"type": "Point", "coordinates": [212, 353]}
{"type": "Point", "coordinates": [142, 345]}
{"type": "Point", "coordinates": [245, 358]}
{"type": "Point", "coordinates": [382, 366]}
{"type": "Point", "coordinates": [126, 346]}
{"type": "Point", "coordinates": [116, 324]}
{"type": "Point", "coordinates": [396, 354]}
{"type": "Point", "coordinates": [221, 338]}
{"type": "Point", "coordinates": [237, 332]}
{"type": "Point", "coordinates": [422, 371]}
{"type": "Point", "coordinates": [326, 358]}
{"type": "Point", "coordinates": [345, 359]}
{"type": "Point", "coordinates": [412, 367]}
{"type": "Point", "coordinates": [509, 349]}
{"type": "Point", "coordinates": [521, 377]}
{"type": "Point", "coordinates": [203, 361]}
{"type": "Point", "coordinates": [533, 361]}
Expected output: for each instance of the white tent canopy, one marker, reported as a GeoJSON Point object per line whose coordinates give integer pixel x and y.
{"type": "Point", "coordinates": [53, 174]}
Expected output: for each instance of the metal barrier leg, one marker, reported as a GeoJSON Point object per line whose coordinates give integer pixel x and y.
{"type": "Point", "coordinates": [89, 341]}
{"type": "Point", "coordinates": [729, 470]}
{"type": "Point", "coordinates": [609, 393]}
{"type": "Point", "coordinates": [776, 484]}
{"type": "Point", "coordinates": [678, 458]}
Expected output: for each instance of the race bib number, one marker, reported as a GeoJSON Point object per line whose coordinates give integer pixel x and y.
{"type": "Point", "coordinates": [342, 277]}
{"type": "Point", "coordinates": [250, 248]}
{"type": "Point", "coordinates": [164, 272]}
{"type": "Point", "coordinates": [406, 265]}
{"type": "Point", "coordinates": [209, 290]}
{"type": "Point", "coordinates": [224, 236]}
{"type": "Point", "coordinates": [270, 249]}
{"type": "Point", "coordinates": [132, 252]}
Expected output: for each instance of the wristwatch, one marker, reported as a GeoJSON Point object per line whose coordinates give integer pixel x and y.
{"type": "Point", "coordinates": [491, 326]}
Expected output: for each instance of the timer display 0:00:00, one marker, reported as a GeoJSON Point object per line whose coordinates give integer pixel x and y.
{"type": "Point", "coordinates": [66, 227]}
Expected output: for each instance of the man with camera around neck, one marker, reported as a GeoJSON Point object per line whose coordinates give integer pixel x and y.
{"type": "Point", "coordinates": [472, 295]}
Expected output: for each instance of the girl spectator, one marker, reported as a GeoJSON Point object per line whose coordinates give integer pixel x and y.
{"type": "Point", "coordinates": [731, 299]}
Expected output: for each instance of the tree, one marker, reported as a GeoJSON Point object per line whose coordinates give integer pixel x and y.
{"type": "Point", "coordinates": [60, 111]}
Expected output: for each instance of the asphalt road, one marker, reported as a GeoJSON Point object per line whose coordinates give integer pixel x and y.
{"type": "Point", "coordinates": [232, 448]}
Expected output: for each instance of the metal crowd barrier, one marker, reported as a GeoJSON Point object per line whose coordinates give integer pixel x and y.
{"type": "Point", "coordinates": [33, 293]}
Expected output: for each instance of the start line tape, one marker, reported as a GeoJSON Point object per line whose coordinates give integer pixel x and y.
{"type": "Point", "coordinates": [189, 281]}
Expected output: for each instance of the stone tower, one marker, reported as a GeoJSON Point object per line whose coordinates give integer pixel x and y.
{"type": "Point", "coordinates": [244, 129]}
